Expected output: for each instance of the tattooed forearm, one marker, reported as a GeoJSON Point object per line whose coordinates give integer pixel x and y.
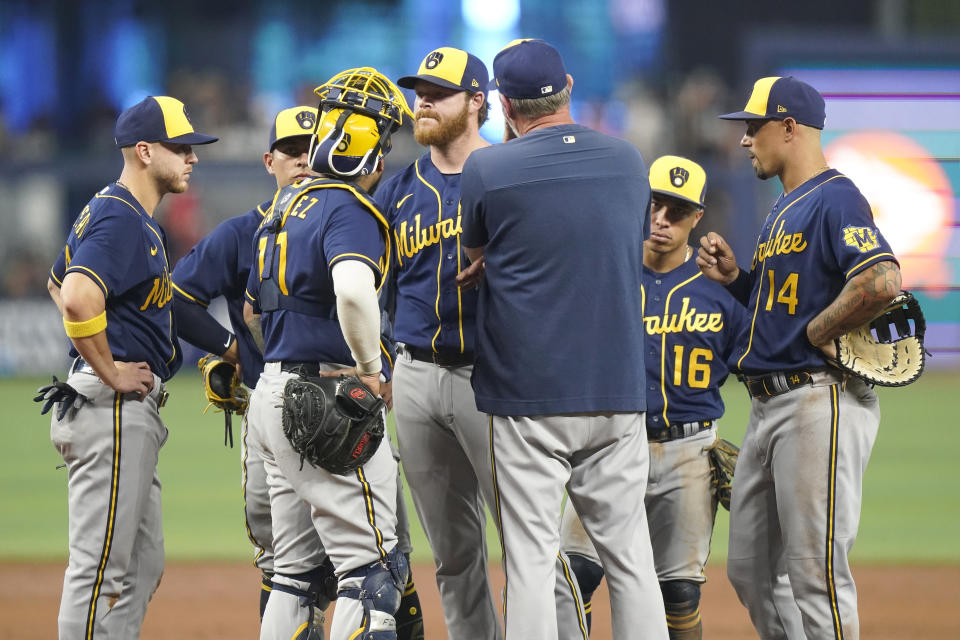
{"type": "Point", "coordinates": [861, 299]}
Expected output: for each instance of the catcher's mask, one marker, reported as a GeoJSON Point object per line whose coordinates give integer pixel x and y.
{"type": "Point", "coordinates": [360, 109]}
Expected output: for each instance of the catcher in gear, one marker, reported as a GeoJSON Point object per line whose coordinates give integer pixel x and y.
{"type": "Point", "coordinates": [322, 254]}
{"type": "Point", "coordinates": [821, 268]}
{"type": "Point", "coordinates": [693, 328]}
{"type": "Point", "coordinates": [219, 265]}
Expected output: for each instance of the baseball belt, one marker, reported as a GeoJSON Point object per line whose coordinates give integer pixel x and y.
{"type": "Point", "coordinates": [447, 358]}
{"type": "Point", "coordinates": [677, 431]}
{"type": "Point", "coordinates": [780, 382]}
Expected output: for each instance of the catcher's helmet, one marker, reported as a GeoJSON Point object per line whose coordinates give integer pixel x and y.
{"type": "Point", "coordinates": [360, 109]}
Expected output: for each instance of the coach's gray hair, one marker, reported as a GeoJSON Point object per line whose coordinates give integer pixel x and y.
{"type": "Point", "coordinates": [536, 107]}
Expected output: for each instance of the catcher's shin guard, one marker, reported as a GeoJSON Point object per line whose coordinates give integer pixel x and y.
{"type": "Point", "coordinates": [409, 615]}
{"type": "Point", "coordinates": [681, 600]}
{"type": "Point", "coordinates": [379, 593]}
{"type": "Point", "coordinates": [589, 575]}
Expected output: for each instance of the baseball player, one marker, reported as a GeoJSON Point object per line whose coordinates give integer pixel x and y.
{"type": "Point", "coordinates": [820, 268]}
{"type": "Point", "coordinates": [220, 266]}
{"type": "Point", "coordinates": [112, 284]}
{"type": "Point", "coordinates": [558, 363]}
{"type": "Point", "coordinates": [444, 440]}
{"type": "Point", "coordinates": [692, 328]}
{"type": "Point", "coordinates": [321, 256]}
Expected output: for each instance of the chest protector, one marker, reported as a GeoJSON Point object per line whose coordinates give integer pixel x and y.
{"type": "Point", "coordinates": [271, 297]}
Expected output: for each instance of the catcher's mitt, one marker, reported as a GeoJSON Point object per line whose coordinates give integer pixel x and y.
{"type": "Point", "coordinates": [723, 460]}
{"type": "Point", "coordinates": [221, 384]}
{"type": "Point", "coordinates": [333, 423]}
{"type": "Point", "coordinates": [874, 354]}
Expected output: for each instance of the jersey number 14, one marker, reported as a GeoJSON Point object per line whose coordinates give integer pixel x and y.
{"type": "Point", "coordinates": [787, 293]}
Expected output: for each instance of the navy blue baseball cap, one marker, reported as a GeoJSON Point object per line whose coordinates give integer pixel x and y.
{"type": "Point", "coordinates": [528, 68]}
{"type": "Point", "coordinates": [450, 68]}
{"type": "Point", "coordinates": [157, 119]}
{"type": "Point", "coordinates": [778, 98]}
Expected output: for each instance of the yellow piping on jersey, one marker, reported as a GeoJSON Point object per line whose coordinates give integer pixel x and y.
{"type": "Point", "coordinates": [459, 292]}
{"type": "Point", "coordinates": [363, 200]}
{"type": "Point", "coordinates": [860, 264]}
{"type": "Point", "coordinates": [386, 353]}
{"type": "Point", "coordinates": [137, 211]}
{"type": "Point", "coordinates": [349, 256]}
{"type": "Point", "coordinates": [193, 298]}
{"type": "Point", "coordinates": [756, 308]}
{"type": "Point", "coordinates": [576, 599]}
{"type": "Point", "coordinates": [831, 511]}
{"type": "Point", "coordinates": [436, 304]}
{"type": "Point", "coordinates": [243, 492]}
{"type": "Point", "coordinates": [300, 629]}
{"type": "Point", "coordinates": [91, 272]}
{"type": "Point", "coordinates": [371, 517]}
{"type": "Point", "coordinates": [111, 515]}
{"type": "Point", "coordinates": [53, 277]}
{"type": "Point", "coordinates": [663, 344]}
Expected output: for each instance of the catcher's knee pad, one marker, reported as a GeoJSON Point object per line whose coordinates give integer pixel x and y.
{"type": "Point", "coordinates": [380, 591]}
{"type": "Point", "coordinates": [681, 601]}
{"type": "Point", "coordinates": [589, 574]}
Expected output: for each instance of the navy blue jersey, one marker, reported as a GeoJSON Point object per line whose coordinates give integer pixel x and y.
{"type": "Point", "coordinates": [219, 265]}
{"type": "Point", "coordinates": [562, 213]}
{"type": "Point", "coordinates": [815, 239]}
{"type": "Point", "coordinates": [123, 250]}
{"type": "Point", "coordinates": [314, 224]}
{"type": "Point", "coordinates": [693, 328]}
{"type": "Point", "coordinates": [422, 206]}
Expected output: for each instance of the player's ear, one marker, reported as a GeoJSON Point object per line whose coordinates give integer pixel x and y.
{"type": "Point", "coordinates": [268, 163]}
{"type": "Point", "coordinates": [697, 217]}
{"type": "Point", "coordinates": [789, 129]}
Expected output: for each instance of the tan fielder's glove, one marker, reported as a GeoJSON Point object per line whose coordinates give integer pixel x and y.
{"type": "Point", "coordinates": [888, 350]}
{"type": "Point", "coordinates": [723, 460]}
{"type": "Point", "coordinates": [222, 386]}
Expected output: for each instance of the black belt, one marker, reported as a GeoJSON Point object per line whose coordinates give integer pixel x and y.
{"type": "Point", "coordinates": [446, 358]}
{"type": "Point", "coordinates": [304, 368]}
{"type": "Point", "coordinates": [776, 383]}
{"type": "Point", "coordinates": [677, 431]}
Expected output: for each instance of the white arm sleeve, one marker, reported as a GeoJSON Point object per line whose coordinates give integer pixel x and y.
{"type": "Point", "coordinates": [359, 312]}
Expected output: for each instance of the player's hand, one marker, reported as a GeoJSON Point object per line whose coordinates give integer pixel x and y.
{"type": "Point", "coordinates": [716, 260]}
{"type": "Point", "coordinates": [386, 392]}
{"type": "Point", "coordinates": [472, 275]}
{"type": "Point", "coordinates": [133, 377]}
{"type": "Point", "coordinates": [371, 381]}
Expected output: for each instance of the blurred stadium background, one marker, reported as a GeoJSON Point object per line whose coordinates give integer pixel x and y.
{"type": "Point", "coordinates": [655, 72]}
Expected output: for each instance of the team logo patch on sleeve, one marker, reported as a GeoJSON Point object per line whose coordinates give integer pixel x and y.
{"type": "Point", "coordinates": [863, 239]}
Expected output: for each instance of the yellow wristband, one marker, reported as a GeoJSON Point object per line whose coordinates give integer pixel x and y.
{"type": "Point", "coordinates": [87, 328]}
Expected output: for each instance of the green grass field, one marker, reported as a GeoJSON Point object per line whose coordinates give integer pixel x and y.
{"type": "Point", "coordinates": [911, 508]}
